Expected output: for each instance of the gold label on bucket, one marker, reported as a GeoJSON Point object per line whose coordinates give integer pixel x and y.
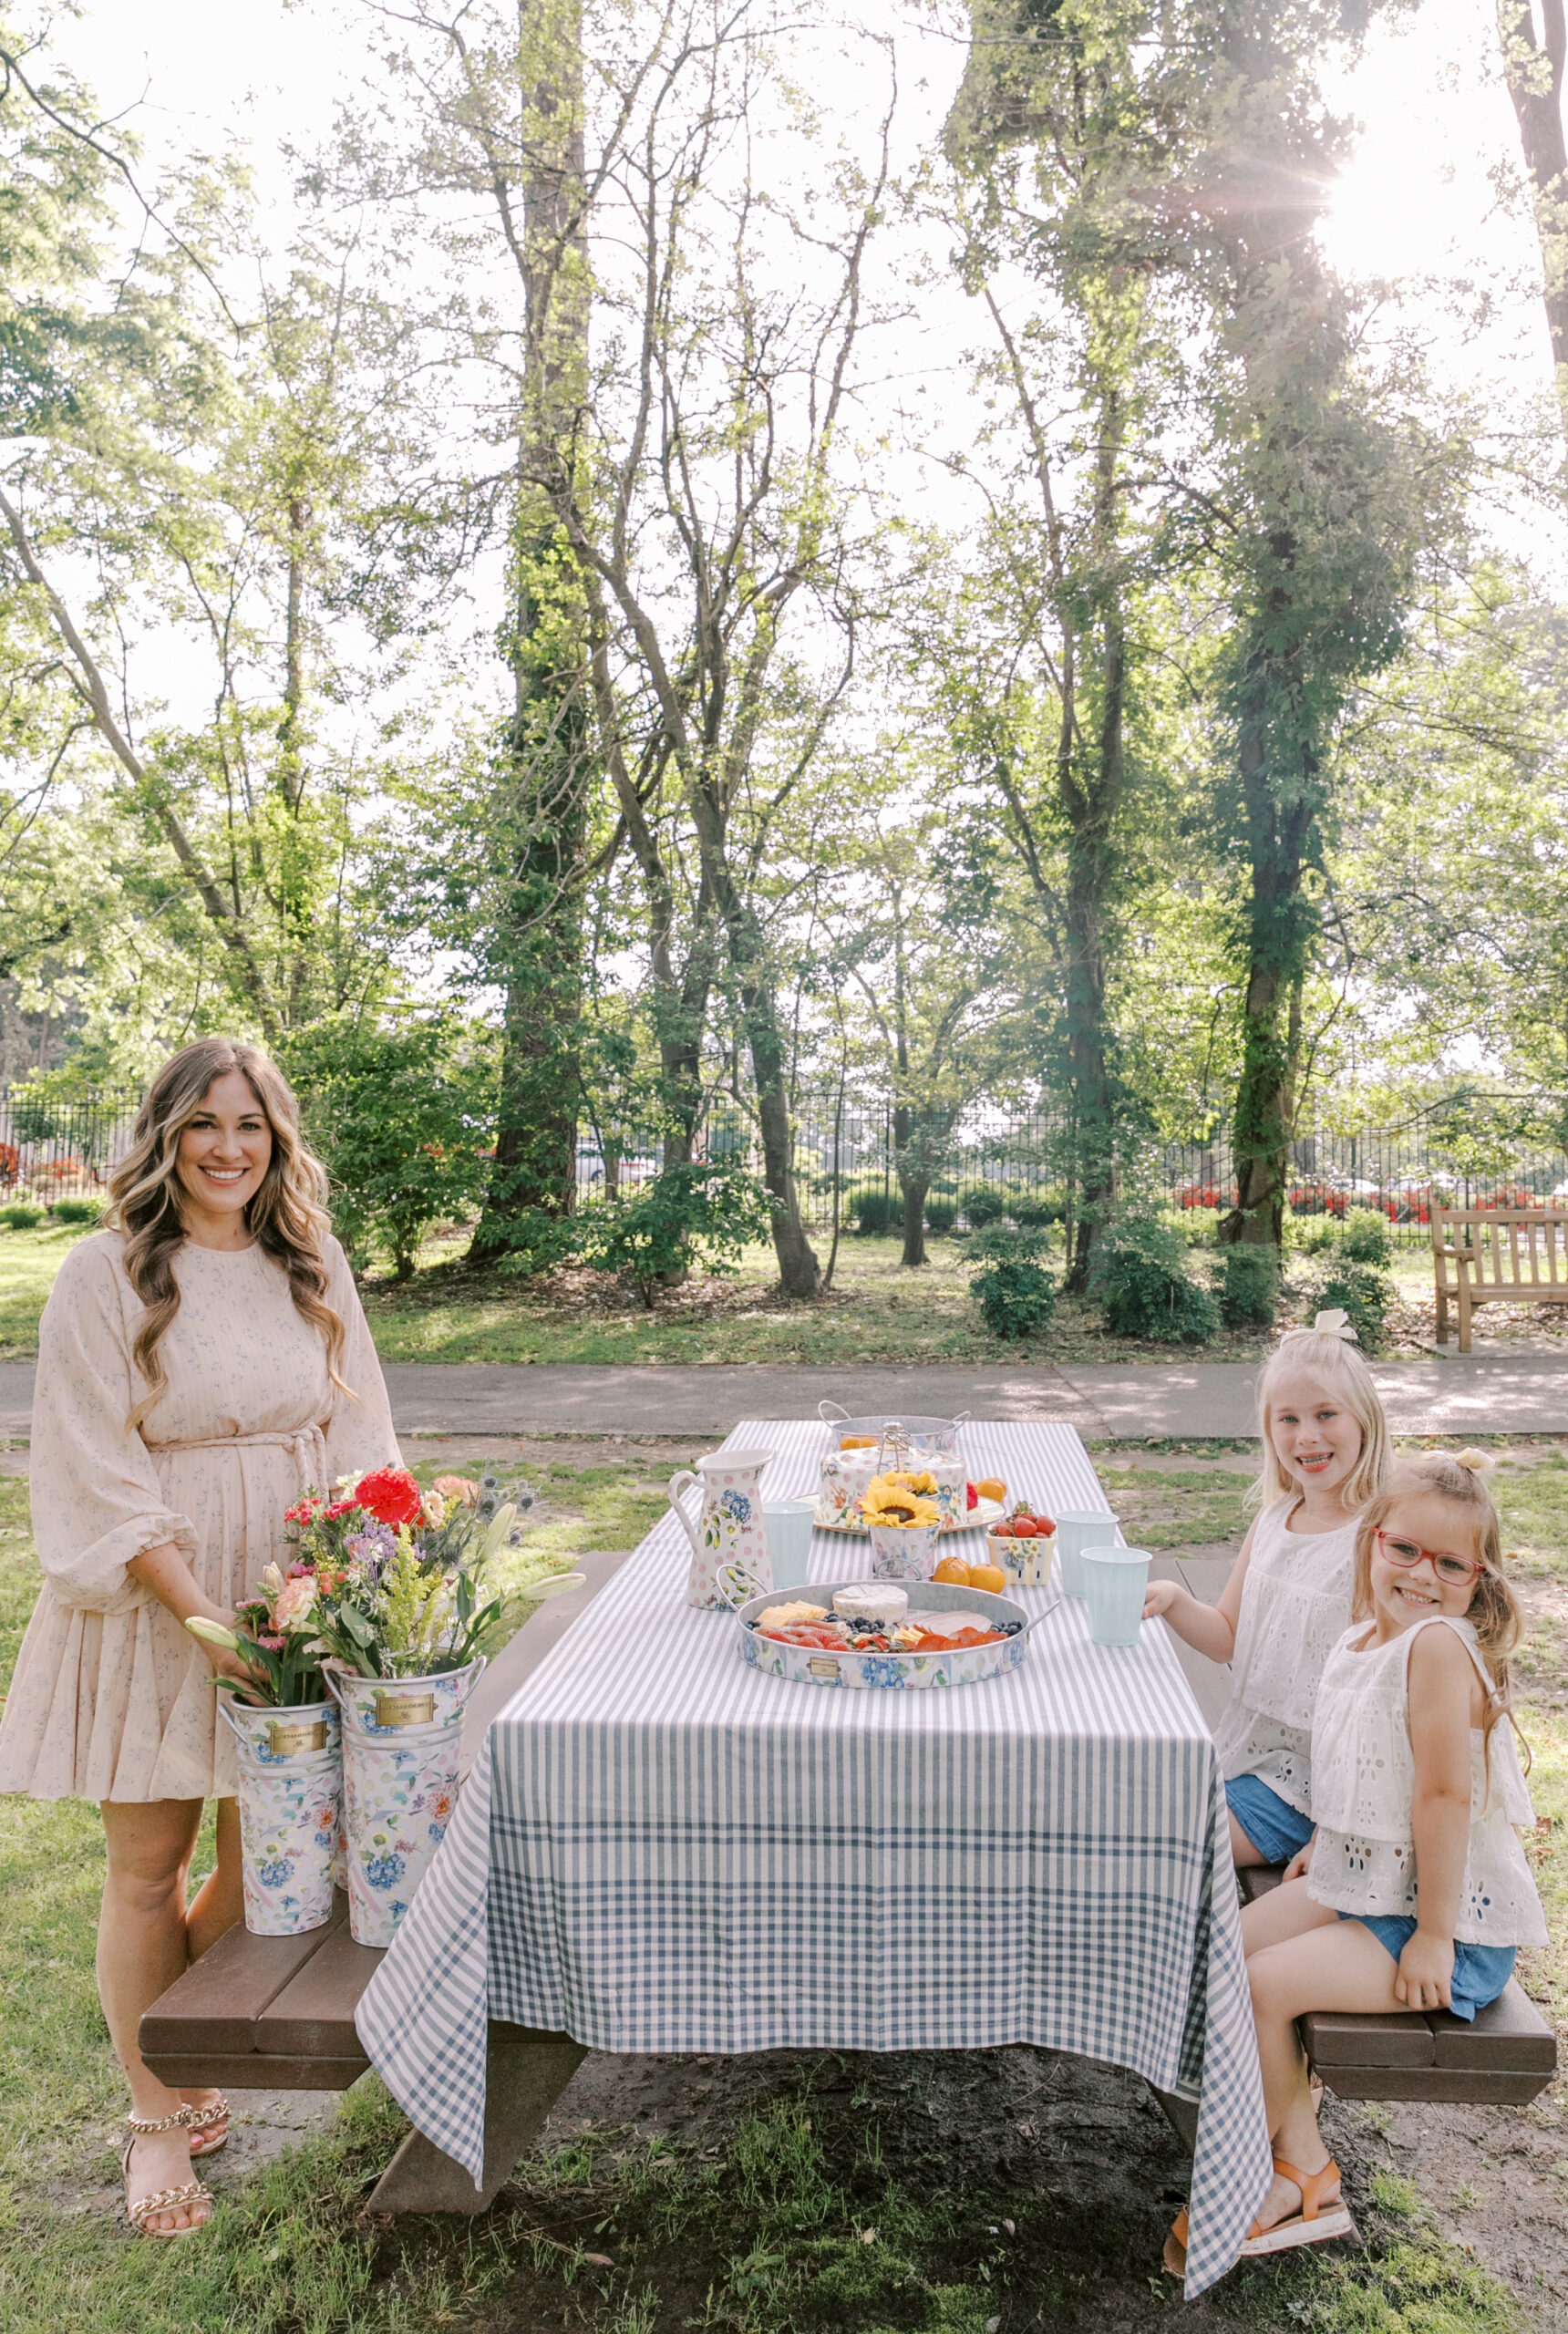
{"type": "Point", "coordinates": [822, 1665]}
{"type": "Point", "coordinates": [287, 1738]}
{"type": "Point", "coordinates": [405, 1709]}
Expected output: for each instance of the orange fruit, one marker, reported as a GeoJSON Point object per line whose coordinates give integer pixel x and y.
{"type": "Point", "coordinates": [992, 1487]}
{"type": "Point", "coordinates": [857, 1442]}
{"type": "Point", "coordinates": [956, 1573]}
{"type": "Point", "coordinates": [990, 1578]}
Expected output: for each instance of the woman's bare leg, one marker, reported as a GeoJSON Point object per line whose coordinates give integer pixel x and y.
{"type": "Point", "coordinates": [142, 1950]}
{"type": "Point", "coordinates": [220, 1901]}
{"type": "Point", "coordinates": [1304, 1958]}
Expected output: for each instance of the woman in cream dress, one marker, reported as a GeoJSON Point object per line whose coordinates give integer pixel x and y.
{"type": "Point", "coordinates": [199, 1366]}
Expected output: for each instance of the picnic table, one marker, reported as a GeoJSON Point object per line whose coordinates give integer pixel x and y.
{"type": "Point", "coordinates": [659, 1849]}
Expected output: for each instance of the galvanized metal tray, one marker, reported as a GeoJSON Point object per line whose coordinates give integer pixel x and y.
{"type": "Point", "coordinates": [969, 1664]}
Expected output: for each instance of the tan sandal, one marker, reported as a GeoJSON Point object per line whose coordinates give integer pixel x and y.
{"type": "Point", "coordinates": [199, 2122]}
{"type": "Point", "coordinates": [1310, 2225]}
{"type": "Point", "coordinates": [162, 2200]}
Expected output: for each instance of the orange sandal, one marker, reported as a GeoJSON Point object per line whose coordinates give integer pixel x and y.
{"type": "Point", "coordinates": [1309, 2227]}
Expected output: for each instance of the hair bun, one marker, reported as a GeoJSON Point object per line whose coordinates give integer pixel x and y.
{"type": "Point", "coordinates": [1479, 1462]}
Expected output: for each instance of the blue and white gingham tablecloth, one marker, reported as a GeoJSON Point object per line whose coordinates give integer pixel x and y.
{"type": "Point", "coordinates": [661, 1849]}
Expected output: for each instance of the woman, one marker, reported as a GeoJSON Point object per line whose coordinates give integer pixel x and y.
{"type": "Point", "coordinates": [200, 1363]}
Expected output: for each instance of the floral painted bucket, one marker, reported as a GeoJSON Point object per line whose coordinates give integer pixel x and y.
{"type": "Point", "coordinates": [903, 1551]}
{"type": "Point", "coordinates": [289, 1811]}
{"type": "Point", "coordinates": [274, 1736]}
{"type": "Point", "coordinates": [400, 1787]}
{"type": "Point", "coordinates": [384, 1708]}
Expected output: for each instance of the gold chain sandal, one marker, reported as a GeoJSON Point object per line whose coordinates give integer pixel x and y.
{"type": "Point", "coordinates": [162, 2200]}
{"type": "Point", "coordinates": [198, 2120]}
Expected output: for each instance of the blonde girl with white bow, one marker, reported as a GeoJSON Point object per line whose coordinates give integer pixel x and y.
{"type": "Point", "coordinates": [1287, 1601]}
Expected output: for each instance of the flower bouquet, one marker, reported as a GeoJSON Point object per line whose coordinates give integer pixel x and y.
{"type": "Point", "coordinates": [904, 1521]}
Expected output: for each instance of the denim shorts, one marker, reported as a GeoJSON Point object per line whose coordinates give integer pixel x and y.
{"type": "Point", "coordinates": [1277, 1829]}
{"type": "Point", "coordinates": [1481, 1971]}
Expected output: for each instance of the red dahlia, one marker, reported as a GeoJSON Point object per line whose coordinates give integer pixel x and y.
{"type": "Point", "coordinates": [390, 1494]}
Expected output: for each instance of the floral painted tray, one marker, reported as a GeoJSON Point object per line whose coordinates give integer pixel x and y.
{"type": "Point", "coordinates": [962, 1665]}
{"type": "Point", "coordinates": [984, 1514]}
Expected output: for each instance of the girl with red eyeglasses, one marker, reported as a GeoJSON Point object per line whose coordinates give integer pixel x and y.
{"type": "Point", "coordinates": [1415, 1892]}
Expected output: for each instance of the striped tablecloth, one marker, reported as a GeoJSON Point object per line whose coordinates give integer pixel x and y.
{"type": "Point", "coordinates": [661, 1849]}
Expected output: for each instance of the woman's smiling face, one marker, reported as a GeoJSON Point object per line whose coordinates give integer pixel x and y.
{"type": "Point", "coordinates": [225, 1150]}
{"type": "Point", "coordinates": [1402, 1595]}
{"type": "Point", "coordinates": [1317, 1439]}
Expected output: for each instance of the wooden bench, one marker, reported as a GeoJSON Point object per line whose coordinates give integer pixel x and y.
{"type": "Point", "coordinates": [1504, 2059]}
{"type": "Point", "coordinates": [276, 2013]}
{"type": "Point", "coordinates": [1505, 1255]}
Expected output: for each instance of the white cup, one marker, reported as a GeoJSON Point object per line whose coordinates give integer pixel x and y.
{"type": "Point", "coordinates": [787, 1523]}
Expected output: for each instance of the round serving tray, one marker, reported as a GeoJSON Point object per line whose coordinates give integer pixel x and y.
{"type": "Point", "coordinates": [979, 1518]}
{"type": "Point", "coordinates": [967, 1665]}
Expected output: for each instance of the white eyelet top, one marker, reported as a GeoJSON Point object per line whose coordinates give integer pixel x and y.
{"type": "Point", "coordinates": [1364, 1784]}
{"type": "Point", "coordinates": [1295, 1605]}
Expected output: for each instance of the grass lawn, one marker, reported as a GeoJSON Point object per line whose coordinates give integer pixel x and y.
{"type": "Point", "coordinates": [833, 2202]}
{"type": "Point", "coordinates": [29, 1263]}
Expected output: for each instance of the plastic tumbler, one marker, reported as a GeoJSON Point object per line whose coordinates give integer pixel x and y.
{"type": "Point", "coordinates": [1078, 1528]}
{"type": "Point", "coordinates": [787, 1523]}
{"type": "Point", "coordinates": [1115, 1580]}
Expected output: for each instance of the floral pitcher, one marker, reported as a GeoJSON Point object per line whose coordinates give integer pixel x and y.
{"type": "Point", "coordinates": [729, 1531]}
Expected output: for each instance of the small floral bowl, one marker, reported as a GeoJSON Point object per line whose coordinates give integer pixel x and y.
{"type": "Point", "coordinates": [1028, 1562]}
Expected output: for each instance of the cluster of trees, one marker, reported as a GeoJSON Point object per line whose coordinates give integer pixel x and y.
{"type": "Point", "coordinates": [520, 646]}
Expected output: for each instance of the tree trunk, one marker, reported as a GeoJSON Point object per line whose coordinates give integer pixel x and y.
{"type": "Point", "coordinates": [800, 1275]}
{"type": "Point", "coordinates": [1534, 72]}
{"type": "Point", "coordinates": [914, 1189]}
{"type": "Point", "coordinates": [548, 770]}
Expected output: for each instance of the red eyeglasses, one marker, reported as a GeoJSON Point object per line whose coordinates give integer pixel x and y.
{"type": "Point", "coordinates": [1458, 1570]}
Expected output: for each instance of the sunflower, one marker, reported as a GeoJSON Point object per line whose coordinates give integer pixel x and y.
{"type": "Point", "coordinates": [893, 1499]}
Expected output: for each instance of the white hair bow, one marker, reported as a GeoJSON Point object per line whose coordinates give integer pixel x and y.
{"type": "Point", "coordinates": [1334, 1323]}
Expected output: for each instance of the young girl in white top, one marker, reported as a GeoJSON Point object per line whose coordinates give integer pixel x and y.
{"type": "Point", "coordinates": [1326, 1454]}
{"type": "Point", "coordinates": [1415, 1892]}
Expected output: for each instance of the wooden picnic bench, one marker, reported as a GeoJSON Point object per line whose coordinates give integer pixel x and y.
{"type": "Point", "coordinates": [1504, 2059]}
{"type": "Point", "coordinates": [276, 2013]}
{"type": "Point", "coordinates": [1505, 1255]}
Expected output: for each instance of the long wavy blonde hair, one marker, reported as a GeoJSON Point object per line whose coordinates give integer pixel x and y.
{"type": "Point", "coordinates": [287, 1217]}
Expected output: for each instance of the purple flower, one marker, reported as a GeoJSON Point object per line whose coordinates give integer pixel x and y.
{"type": "Point", "coordinates": [372, 1549]}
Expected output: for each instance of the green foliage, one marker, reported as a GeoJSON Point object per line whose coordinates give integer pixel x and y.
{"type": "Point", "coordinates": [874, 1209]}
{"type": "Point", "coordinates": [1137, 1273]}
{"type": "Point", "coordinates": [1368, 1237]}
{"type": "Point", "coordinates": [77, 1211]}
{"type": "Point", "coordinates": [401, 1118]}
{"type": "Point", "coordinates": [981, 1203]}
{"type": "Point", "coordinates": [1040, 1207]}
{"type": "Point", "coordinates": [941, 1215]}
{"type": "Point", "coordinates": [1017, 1297]}
{"type": "Point", "coordinates": [654, 1233]}
{"type": "Point", "coordinates": [1362, 1292]}
{"type": "Point", "coordinates": [21, 1216]}
{"type": "Point", "coordinates": [1249, 1287]}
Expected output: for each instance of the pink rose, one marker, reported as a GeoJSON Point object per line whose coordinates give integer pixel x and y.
{"type": "Point", "coordinates": [296, 1601]}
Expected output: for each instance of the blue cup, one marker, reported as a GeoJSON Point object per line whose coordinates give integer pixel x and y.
{"type": "Point", "coordinates": [787, 1523]}
{"type": "Point", "coordinates": [1078, 1528]}
{"type": "Point", "coordinates": [1115, 1580]}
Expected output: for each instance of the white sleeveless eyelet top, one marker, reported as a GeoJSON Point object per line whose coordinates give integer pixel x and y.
{"type": "Point", "coordinates": [1364, 1784]}
{"type": "Point", "coordinates": [1295, 1605]}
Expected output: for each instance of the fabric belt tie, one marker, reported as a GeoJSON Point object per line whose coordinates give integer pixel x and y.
{"type": "Point", "coordinates": [306, 1445]}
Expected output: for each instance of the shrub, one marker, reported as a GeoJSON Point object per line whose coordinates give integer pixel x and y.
{"type": "Point", "coordinates": [21, 1216]}
{"type": "Point", "coordinates": [941, 1215]}
{"type": "Point", "coordinates": [876, 1209]}
{"type": "Point", "coordinates": [1364, 1293]}
{"type": "Point", "coordinates": [78, 1211]}
{"type": "Point", "coordinates": [1249, 1288]}
{"type": "Point", "coordinates": [652, 1233]}
{"type": "Point", "coordinates": [981, 1204]}
{"type": "Point", "coordinates": [1015, 1294]}
{"type": "Point", "coordinates": [1367, 1239]}
{"type": "Point", "coordinates": [1038, 1207]}
{"type": "Point", "coordinates": [401, 1119]}
{"type": "Point", "coordinates": [1137, 1273]}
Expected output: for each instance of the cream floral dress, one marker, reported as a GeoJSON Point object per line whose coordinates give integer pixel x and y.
{"type": "Point", "coordinates": [113, 1699]}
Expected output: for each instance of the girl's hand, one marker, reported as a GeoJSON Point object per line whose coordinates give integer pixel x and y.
{"type": "Point", "coordinates": [1426, 1978]}
{"type": "Point", "coordinates": [1160, 1596]}
{"type": "Point", "coordinates": [1300, 1863]}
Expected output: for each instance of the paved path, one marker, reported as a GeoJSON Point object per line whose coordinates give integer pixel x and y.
{"type": "Point", "coordinates": [1478, 1394]}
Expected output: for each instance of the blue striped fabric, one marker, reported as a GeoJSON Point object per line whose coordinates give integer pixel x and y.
{"type": "Point", "coordinates": [661, 1849]}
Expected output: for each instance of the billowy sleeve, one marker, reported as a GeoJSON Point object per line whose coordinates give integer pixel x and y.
{"type": "Point", "coordinates": [96, 1500]}
{"type": "Point", "coordinates": [359, 1434]}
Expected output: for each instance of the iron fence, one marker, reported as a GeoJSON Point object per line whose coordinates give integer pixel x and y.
{"type": "Point", "coordinates": [51, 1150]}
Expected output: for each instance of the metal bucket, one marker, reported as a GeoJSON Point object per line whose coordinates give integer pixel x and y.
{"type": "Point", "coordinates": [399, 1789]}
{"type": "Point", "coordinates": [289, 1809]}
